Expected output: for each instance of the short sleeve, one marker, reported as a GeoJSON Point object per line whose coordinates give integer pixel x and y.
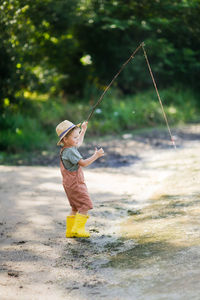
{"type": "Point", "coordinates": [72, 155]}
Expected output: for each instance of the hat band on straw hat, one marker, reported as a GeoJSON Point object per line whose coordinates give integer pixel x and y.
{"type": "Point", "coordinates": [66, 130]}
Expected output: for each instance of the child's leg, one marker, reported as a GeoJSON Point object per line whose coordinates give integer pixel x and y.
{"type": "Point", "coordinates": [73, 212]}
{"type": "Point", "coordinates": [83, 212]}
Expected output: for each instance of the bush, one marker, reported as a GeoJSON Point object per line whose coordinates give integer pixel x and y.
{"type": "Point", "coordinates": [21, 134]}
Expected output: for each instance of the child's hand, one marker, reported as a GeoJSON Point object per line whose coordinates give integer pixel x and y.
{"type": "Point", "coordinates": [84, 126]}
{"type": "Point", "coordinates": [99, 152]}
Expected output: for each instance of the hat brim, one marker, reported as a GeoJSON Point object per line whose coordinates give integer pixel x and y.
{"type": "Point", "coordinates": [59, 142]}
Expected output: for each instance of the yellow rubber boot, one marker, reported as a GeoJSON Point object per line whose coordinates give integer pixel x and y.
{"type": "Point", "coordinates": [78, 229]}
{"type": "Point", "coordinates": [69, 224]}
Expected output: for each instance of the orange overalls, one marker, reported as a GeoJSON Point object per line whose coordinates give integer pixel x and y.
{"type": "Point", "coordinates": [75, 188]}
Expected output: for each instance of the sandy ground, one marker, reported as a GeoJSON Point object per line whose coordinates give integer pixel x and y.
{"type": "Point", "coordinates": [145, 233]}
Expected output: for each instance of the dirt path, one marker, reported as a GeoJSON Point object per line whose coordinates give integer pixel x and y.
{"type": "Point", "coordinates": [145, 230]}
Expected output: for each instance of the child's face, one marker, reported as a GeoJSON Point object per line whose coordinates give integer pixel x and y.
{"type": "Point", "coordinates": [72, 139]}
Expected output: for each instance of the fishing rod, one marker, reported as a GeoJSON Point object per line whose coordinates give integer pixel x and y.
{"type": "Point", "coordinates": [154, 83]}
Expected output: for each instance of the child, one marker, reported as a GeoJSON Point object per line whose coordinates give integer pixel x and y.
{"type": "Point", "coordinates": [71, 163]}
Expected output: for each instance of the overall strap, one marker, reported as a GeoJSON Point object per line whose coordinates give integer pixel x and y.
{"type": "Point", "coordinates": [61, 151]}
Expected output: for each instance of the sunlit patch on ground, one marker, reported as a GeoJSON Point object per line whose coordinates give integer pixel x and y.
{"type": "Point", "coordinates": [168, 218]}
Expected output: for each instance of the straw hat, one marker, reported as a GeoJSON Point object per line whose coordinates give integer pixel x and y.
{"type": "Point", "coordinates": [63, 128]}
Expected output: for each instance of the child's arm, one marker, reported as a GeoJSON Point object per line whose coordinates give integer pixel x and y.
{"type": "Point", "coordinates": [88, 161]}
{"type": "Point", "coordinates": [82, 133]}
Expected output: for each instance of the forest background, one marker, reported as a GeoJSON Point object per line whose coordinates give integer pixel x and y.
{"type": "Point", "coordinates": [57, 57]}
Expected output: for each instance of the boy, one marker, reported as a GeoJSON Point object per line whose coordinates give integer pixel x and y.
{"type": "Point", "coordinates": [71, 163]}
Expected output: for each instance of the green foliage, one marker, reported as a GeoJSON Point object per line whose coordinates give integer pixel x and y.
{"type": "Point", "coordinates": [21, 133]}
{"type": "Point", "coordinates": [33, 126]}
{"type": "Point", "coordinates": [64, 47]}
{"type": "Point", "coordinates": [143, 110]}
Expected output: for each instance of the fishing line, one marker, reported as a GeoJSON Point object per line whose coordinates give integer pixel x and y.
{"type": "Point", "coordinates": [162, 108]}
{"type": "Point", "coordinates": [154, 83]}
